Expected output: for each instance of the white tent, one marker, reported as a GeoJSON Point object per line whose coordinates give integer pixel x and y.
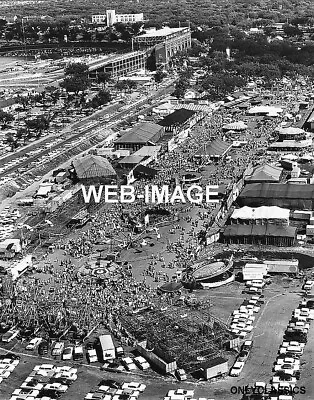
{"type": "Point", "coordinates": [259, 213]}
{"type": "Point", "coordinates": [235, 126]}
{"type": "Point", "coordinates": [265, 110]}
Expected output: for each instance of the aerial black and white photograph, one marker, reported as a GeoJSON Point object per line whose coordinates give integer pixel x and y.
{"type": "Point", "coordinates": [156, 200]}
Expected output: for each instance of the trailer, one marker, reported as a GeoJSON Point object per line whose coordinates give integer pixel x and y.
{"type": "Point", "coordinates": [107, 347]}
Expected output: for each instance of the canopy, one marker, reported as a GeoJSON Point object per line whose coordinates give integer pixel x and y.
{"type": "Point", "coordinates": [290, 130]}
{"type": "Point", "coordinates": [263, 212]}
{"type": "Point", "coordinates": [171, 287]}
{"type": "Point", "coordinates": [265, 110]}
{"type": "Point", "coordinates": [235, 126]}
{"type": "Point", "coordinates": [217, 148]}
{"type": "Point", "coordinates": [264, 173]}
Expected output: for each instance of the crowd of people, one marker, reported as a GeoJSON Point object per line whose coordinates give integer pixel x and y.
{"type": "Point", "coordinates": [121, 228]}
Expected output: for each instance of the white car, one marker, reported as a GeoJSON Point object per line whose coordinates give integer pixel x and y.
{"type": "Point", "coordinates": [66, 368]}
{"type": "Point", "coordinates": [7, 367]}
{"type": "Point", "coordinates": [141, 363]}
{"type": "Point", "coordinates": [57, 386]}
{"type": "Point", "coordinates": [67, 375]}
{"type": "Point", "coordinates": [25, 392]}
{"type": "Point", "coordinates": [134, 386]}
{"type": "Point", "coordinates": [4, 374]}
{"type": "Point", "coordinates": [44, 367]}
{"type": "Point", "coordinates": [33, 344]}
{"type": "Point", "coordinates": [92, 355]}
{"type": "Point", "coordinates": [10, 361]}
{"type": "Point", "coordinates": [57, 349]}
{"type": "Point", "coordinates": [180, 392]}
{"type": "Point", "coordinates": [289, 369]}
{"type": "Point", "coordinates": [308, 285]}
{"type": "Point", "coordinates": [129, 364]}
{"type": "Point", "coordinates": [237, 368]}
{"type": "Point", "coordinates": [288, 360]}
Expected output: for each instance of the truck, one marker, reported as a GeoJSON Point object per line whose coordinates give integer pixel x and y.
{"type": "Point", "coordinates": [108, 350]}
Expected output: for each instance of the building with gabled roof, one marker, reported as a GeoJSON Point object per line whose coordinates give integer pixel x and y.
{"type": "Point", "coordinates": [143, 134]}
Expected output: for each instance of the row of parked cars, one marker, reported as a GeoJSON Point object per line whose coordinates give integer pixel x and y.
{"type": "Point", "coordinates": [242, 322]}
{"type": "Point", "coordinates": [8, 363]}
{"type": "Point", "coordinates": [109, 389]}
{"type": "Point", "coordinates": [46, 382]}
{"type": "Point", "coordinates": [287, 365]}
{"type": "Point", "coordinates": [58, 349]}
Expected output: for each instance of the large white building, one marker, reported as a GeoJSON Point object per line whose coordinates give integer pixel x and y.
{"type": "Point", "coordinates": [110, 18]}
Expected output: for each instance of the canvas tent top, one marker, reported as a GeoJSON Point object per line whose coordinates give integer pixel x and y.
{"type": "Point", "coordinates": [265, 110]}
{"type": "Point", "coordinates": [264, 173]}
{"type": "Point", "coordinates": [290, 144]}
{"type": "Point", "coordinates": [91, 166]}
{"type": "Point", "coordinates": [235, 126]}
{"type": "Point", "coordinates": [263, 212]}
{"type": "Point", "coordinates": [217, 148]}
{"type": "Point", "coordinates": [290, 131]}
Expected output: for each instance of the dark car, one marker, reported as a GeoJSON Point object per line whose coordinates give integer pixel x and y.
{"type": "Point", "coordinates": [89, 345]}
{"type": "Point", "coordinates": [43, 348]}
{"type": "Point", "coordinates": [54, 394]}
{"type": "Point", "coordinates": [111, 383]}
{"type": "Point", "coordinates": [12, 356]}
{"type": "Point", "coordinates": [243, 355]}
{"type": "Point", "coordinates": [63, 381]}
{"type": "Point", "coordinates": [310, 304]}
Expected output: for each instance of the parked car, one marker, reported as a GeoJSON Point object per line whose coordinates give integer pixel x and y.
{"type": "Point", "coordinates": [57, 349]}
{"type": "Point", "coordinates": [181, 374]}
{"type": "Point", "coordinates": [113, 367]}
{"type": "Point", "coordinates": [67, 353]}
{"type": "Point", "coordinates": [129, 364]}
{"type": "Point", "coordinates": [141, 363]}
{"type": "Point", "coordinates": [91, 355]}
{"type": "Point", "coordinates": [43, 348]}
{"type": "Point", "coordinates": [237, 368]}
{"type": "Point", "coordinates": [34, 343]}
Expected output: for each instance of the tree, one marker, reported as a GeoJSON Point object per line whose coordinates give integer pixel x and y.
{"type": "Point", "coordinates": [292, 30]}
{"type": "Point", "coordinates": [219, 84]}
{"type": "Point", "coordinates": [159, 76]}
{"type": "Point", "coordinates": [180, 88]}
{"type": "Point", "coordinates": [75, 83]}
{"type": "Point", "coordinates": [5, 117]}
{"type": "Point", "coordinates": [103, 77]}
{"type": "Point", "coordinates": [80, 69]}
{"type": "Point", "coordinates": [38, 124]}
{"type": "Point", "coordinates": [121, 85]}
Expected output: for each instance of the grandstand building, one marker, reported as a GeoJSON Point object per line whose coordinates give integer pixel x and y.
{"type": "Point", "coordinates": [119, 65]}
{"type": "Point", "coordinates": [166, 42]}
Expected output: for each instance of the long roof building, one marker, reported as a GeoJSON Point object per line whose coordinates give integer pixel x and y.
{"type": "Point", "coordinates": [146, 133]}
{"type": "Point", "coordinates": [278, 194]}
